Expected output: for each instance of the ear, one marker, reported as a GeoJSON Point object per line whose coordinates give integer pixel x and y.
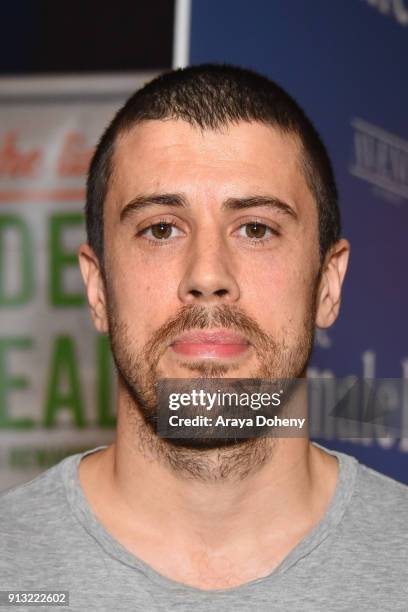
{"type": "Point", "coordinates": [331, 281]}
{"type": "Point", "coordinates": [95, 287]}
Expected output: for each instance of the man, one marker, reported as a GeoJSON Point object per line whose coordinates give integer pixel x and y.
{"type": "Point", "coordinates": [213, 250]}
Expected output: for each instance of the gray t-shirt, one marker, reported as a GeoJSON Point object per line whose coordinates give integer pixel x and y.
{"type": "Point", "coordinates": [355, 559]}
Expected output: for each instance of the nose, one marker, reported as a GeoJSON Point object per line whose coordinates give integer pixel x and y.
{"type": "Point", "coordinates": [208, 277]}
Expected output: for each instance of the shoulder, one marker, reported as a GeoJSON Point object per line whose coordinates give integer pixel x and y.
{"type": "Point", "coordinates": [367, 488]}
{"type": "Point", "coordinates": [36, 525]}
{"type": "Point", "coordinates": [375, 506]}
{"type": "Point", "coordinates": [381, 495]}
{"type": "Point", "coordinates": [33, 505]}
{"type": "Point", "coordinates": [375, 522]}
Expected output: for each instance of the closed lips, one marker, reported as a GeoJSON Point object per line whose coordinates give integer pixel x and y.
{"type": "Point", "coordinates": [213, 337]}
{"type": "Point", "coordinates": [210, 344]}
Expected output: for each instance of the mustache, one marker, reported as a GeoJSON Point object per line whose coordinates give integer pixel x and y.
{"type": "Point", "coordinates": [194, 316]}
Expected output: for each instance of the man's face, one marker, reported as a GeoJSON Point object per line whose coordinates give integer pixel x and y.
{"type": "Point", "coordinates": [211, 232]}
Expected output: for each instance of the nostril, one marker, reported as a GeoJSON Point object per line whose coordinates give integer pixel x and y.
{"type": "Point", "coordinates": [197, 293]}
{"type": "Point", "coordinates": [221, 292]}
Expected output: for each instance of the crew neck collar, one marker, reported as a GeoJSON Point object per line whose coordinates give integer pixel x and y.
{"type": "Point", "coordinates": [332, 517]}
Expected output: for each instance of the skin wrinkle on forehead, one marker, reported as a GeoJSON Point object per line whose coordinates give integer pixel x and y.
{"type": "Point", "coordinates": [301, 159]}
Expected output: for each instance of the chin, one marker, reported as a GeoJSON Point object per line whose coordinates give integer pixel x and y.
{"type": "Point", "coordinates": [202, 444]}
{"type": "Point", "coordinates": [214, 368]}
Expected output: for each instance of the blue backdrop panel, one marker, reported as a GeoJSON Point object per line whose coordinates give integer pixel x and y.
{"type": "Point", "coordinates": [346, 64]}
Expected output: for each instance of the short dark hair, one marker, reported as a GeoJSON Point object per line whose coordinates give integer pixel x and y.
{"type": "Point", "coordinates": [210, 96]}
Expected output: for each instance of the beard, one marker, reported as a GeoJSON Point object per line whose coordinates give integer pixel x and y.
{"type": "Point", "coordinates": [201, 458]}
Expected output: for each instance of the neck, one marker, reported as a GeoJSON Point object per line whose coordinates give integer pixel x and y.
{"type": "Point", "coordinates": [218, 488]}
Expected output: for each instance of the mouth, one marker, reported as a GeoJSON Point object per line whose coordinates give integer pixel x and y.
{"type": "Point", "coordinates": [211, 344]}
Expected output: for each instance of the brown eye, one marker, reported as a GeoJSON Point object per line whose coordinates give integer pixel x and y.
{"type": "Point", "coordinates": [255, 230]}
{"type": "Point", "coordinates": [161, 231]}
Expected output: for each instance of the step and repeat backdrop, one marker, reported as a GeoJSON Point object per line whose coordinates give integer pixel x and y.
{"type": "Point", "coordinates": [56, 374]}
{"type": "Point", "coordinates": [345, 63]}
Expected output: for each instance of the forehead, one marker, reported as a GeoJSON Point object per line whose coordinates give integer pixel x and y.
{"type": "Point", "coordinates": [237, 161]}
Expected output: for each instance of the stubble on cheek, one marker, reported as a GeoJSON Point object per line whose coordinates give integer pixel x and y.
{"type": "Point", "coordinates": [139, 370]}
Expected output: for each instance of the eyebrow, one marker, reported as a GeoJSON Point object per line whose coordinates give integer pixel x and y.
{"type": "Point", "coordinates": [178, 200]}
{"type": "Point", "coordinates": [259, 200]}
{"type": "Point", "coordinates": [145, 201]}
